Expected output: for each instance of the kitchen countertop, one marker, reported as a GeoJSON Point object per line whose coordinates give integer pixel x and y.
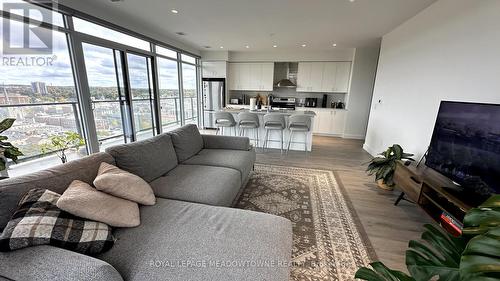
{"type": "Point", "coordinates": [287, 112]}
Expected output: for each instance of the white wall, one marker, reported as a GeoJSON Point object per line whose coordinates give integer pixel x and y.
{"type": "Point", "coordinates": [360, 94]}
{"type": "Point", "coordinates": [450, 51]}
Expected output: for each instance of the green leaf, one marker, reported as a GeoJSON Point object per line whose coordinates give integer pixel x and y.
{"type": "Point", "coordinates": [440, 256]}
{"type": "Point", "coordinates": [483, 218]}
{"type": "Point", "coordinates": [6, 124]}
{"type": "Point", "coordinates": [481, 258]}
{"type": "Point", "coordinates": [381, 273]}
{"type": "Point", "coordinates": [398, 151]}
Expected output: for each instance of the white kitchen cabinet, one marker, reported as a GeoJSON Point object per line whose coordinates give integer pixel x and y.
{"type": "Point", "coordinates": [310, 76]}
{"type": "Point", "coordinates": [317, 70]}
{"type": "Point", "coordinates": [304, 77]}
{"type": "Point", "coordinates": [233, 76]}
{"type": "Point", "coordinates": [329, 77]}
{"type": "Point", "coordinates": [323, 77]}
{"type": "Point", "coordinates": [329, 121]}
{"type": "Point", "coordinates": [342, 77]}
{"type": "Point", "coordinates": [337, 121]}
{"type": "Point", "coordinates": [251, 76]}
{"type": "Point", "coordinates": [267, 79]}
{"type": "Point", "coordinates": [214, 69]}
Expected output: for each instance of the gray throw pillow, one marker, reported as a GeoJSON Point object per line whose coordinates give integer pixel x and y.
{"type": "Point", "coordinates": [187, 141]}
{"type": "Point", "coordinates": [38, 221]}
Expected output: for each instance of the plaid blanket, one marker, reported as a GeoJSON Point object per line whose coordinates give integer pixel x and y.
{"type": "Point", "coordinates": [38, 221]}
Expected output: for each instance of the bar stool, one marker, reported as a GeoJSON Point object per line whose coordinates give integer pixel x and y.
{"type": "Point", "coordinates": [274, 122]}
{"type": "Point", "coordinates": [224, 120]}
{"type": "Point", "coordinates": [299, 123]}
{"type": "Point", "coordinates": [249, 120]}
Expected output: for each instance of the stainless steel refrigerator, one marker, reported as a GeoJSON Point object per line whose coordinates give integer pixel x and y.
{"type": "Point", "coordinates": [214, 99]}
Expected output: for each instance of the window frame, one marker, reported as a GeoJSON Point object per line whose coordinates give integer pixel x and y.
{"type": "Point", "coordinates": [75, 42]}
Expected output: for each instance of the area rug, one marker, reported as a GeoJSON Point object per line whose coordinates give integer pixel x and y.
{"type": "Point", "coordinates": [329, 242]}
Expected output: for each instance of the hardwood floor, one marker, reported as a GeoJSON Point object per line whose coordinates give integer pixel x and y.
{"type": "Point", "coordinates": [389, 227]}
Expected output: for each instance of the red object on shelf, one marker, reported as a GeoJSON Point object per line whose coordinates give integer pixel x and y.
{"type": "Point", "coordinates": [450, 224]}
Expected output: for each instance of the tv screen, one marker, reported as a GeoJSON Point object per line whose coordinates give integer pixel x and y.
{"type": "Point", "coordinates": [465, 146]}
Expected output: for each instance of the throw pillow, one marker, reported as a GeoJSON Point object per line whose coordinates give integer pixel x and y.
{"type": "Point", "coordinates": [38, 221]}
{"type": "Point", "coordinates": [115, 181]}
{"type": "Point", "coordinates": [187, 141]}
{"type": "Point", "coordinates": [81, 199]}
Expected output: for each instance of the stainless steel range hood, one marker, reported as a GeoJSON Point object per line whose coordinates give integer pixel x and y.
{"type": "Point", "coordinates": [285, 73]}
{"type": "Point", "coordinates": [285, 83]}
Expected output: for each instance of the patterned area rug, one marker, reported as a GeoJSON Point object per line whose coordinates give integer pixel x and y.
{"type": "Point", "coordinates": [328, 240]}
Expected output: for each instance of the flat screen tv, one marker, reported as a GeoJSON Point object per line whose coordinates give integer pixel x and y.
{"type": "Point", "coordinates": [465, 147]}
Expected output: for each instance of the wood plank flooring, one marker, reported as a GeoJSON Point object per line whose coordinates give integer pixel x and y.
{"type": "Point", "coordinates": [389, 227]}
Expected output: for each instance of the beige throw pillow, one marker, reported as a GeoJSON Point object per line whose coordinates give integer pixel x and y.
{"type": "Point", "coordinates": [82, 200]}
{"type": "Point", "coordinates": [120, 183]}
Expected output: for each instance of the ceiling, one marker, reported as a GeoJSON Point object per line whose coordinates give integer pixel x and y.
{"type": "Point", "coordinates": [260, 24]}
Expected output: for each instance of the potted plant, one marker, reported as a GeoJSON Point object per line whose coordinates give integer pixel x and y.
{"type": "Point", "coordinates": [61, 143]}
{"type": "Point", "coordinates": [7, 150]}
{"type": "Point", "coordinates": [384, 165]}
{"type": "Point", "coordinates": [474, 256]}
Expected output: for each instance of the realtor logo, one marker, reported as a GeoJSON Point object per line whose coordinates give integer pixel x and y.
{"type": "Point", "coordinates": [20, 38]}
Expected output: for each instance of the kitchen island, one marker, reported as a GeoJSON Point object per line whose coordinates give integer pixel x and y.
{"type": "Point", "coordinates": [275, 135]}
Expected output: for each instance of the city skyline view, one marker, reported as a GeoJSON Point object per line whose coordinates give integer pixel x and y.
{"type": "Point", "coordinates": [48, 88]}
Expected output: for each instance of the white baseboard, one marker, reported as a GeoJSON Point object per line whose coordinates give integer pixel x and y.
{"type": "Point", "coordinates": [369, 150]}
{"type": "Point", "coordinates": [354, 137]}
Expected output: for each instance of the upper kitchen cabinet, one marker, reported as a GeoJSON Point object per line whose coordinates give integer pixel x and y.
{"type": "Point", "coordinates": [251, 76]}
{"type": "Point", "coordinates": [310, 76]}
{"type": "Point", "coordinates": [342, 77]}
{"type": "Point", "coordinates": [324, 77]}
{"type": "Point", "coordinates": [214, 69]}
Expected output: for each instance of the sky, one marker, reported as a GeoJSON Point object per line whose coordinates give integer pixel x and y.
{"type": "Point", "coordinates": [99, 61]}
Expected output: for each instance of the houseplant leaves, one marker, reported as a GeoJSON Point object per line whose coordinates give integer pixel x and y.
{"type": "Point", "coordinates": [481, 258]}
{"type": "Point", "coordinates": [380, 272]}
{"type": "Point", "coordinates": [438, 255]}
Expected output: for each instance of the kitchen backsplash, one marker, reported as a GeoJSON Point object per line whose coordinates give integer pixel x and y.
{"type": "Point", "coordinates": [287, 92]}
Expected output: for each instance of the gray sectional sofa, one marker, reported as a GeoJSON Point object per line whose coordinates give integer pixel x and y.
{"type": "Point", "coordinates": [190, 234]}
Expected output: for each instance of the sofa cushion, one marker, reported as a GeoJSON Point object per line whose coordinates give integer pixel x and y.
{"type": "Point", "coordinates": [56, 179]}
{"type": "Point", "coordinates": [241, 160]}
{"type": "Point", "coordinates": [38, 221]}
{"type": "Point", "coordinates": [47, 263]}
{"type": "Point", "coordinates": [174, 233]}
{"type": "Point", "coordinates": [187, 141]}
{"type": "Point", "coordinates": [201, 184]}
{"type": "Point", "coordinates": [83, 200]}
{"type": "Point", "coordinates": [117, 182]}
{"type": "Point", "coordinates": [149, 159]}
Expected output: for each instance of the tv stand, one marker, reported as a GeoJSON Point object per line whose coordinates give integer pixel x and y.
{"type": "Point", "coordinates": [430, 190]}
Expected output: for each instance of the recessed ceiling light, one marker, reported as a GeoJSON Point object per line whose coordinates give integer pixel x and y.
{"type": "Point", "coordinates": [334, 45]}
{"type": "Point", "coordinates": [174, 11]}
{"type": "Point", "coordinates": [222, 47]}
{"type": "Point", "coordinates": [247, 46]}
{"type": "Point", "coordinates": [275, 46]}
{"type": "Point", "coordinates": [352, 0]}
{"type": "Point", "coordinates": [304, 45]}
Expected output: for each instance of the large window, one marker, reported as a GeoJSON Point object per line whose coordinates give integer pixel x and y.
{"type": "Point", "coordinates": [40, 95]}
{"type": "Point", "coordinates": [128, 88]}
{"type": "Point", "coordinates": [105, 81]}
{"type": "Point", "coordinates": [170, 104]}
{"type": "Point", "coordinates": [109, 34]}
{"type": "Point", "coordinates": [139, 69]}
{"type": "Point", "coordinates": [190, 94]}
